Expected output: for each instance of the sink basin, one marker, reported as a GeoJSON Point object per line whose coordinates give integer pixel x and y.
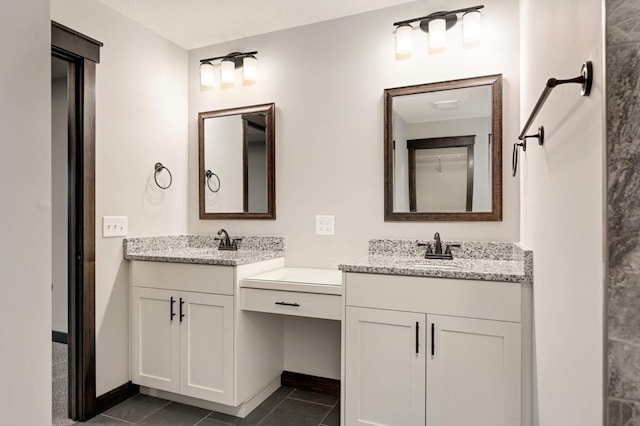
{"type": "Point", "coordinates": [432, 266]}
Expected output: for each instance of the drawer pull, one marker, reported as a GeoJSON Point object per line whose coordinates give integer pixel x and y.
{"type": "Point", "coordinates": [288, 304]}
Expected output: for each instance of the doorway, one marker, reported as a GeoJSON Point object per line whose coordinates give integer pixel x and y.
{"type": "Point", "coordinates": [79, 55]}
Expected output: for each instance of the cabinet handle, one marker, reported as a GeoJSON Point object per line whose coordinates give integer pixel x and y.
{"type": "Point", "coordinates": [173, 314]}
{"type": "Point", "coordinates": [433, 339]}
{"type": "Point", "coordinates": [287, 304]}
{"type": "Point", "coordinates": [181, 314]}
{"type": "Point", "coordinates": [417, 337]}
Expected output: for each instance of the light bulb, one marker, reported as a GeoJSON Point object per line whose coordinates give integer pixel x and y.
{"type": "Point", "coordinates": [227, 71]}
{"type": "Point", "coordinates": [206, 74]}
{"type": "Point", "coordinates": [250, 69]}
{"type": "Point", "coordinates": [471, 27]}
{"type": "Point", "coordinates": [404, 44]}
{"type": "Point", "coordinates": [437, 33]}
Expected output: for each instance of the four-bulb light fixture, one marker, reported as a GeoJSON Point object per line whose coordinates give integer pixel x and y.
{"type": "Point", "coordinates": [436, 25]}
{"type": "Point", "coordinates": [228, 65]}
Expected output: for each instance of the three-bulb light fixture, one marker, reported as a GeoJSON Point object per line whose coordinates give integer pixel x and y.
{"type": "Point", "coordinates": [228, 65]}
{"type": "Point", "coordinates": [436, 25]}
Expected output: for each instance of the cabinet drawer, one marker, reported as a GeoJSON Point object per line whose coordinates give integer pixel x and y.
{"type": "Point", "coordinates": [292, 303]}
{"type": "Point", "coordinates": [464, 298]}
{"type": "Point", "coordinates": [214, 279]}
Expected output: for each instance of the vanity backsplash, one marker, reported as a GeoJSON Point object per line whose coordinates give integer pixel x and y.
{"type": "Point", "coordinates": [487, 250]}
{"type": "Point", "coordinates": [471, 260]}
{"type": "Point", "coordinates": [175, 242]}
{"type": "Point", "coordinates": [203, 249]}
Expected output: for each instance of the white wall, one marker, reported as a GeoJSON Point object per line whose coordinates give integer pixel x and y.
{"type": "Point", "coordinates": [141, 109]}
{"type": "Point", "coordinates": [562, 209]}
{"type": "Point", "coordinates": [401, 165]}
{"type": "Point", "coordinates": [59, 203]}
{"type": "Point", "coordinates": [223, 156]}
{"type": "Point", "coordinates": [327, 81]}
{"type": "Point", "coordinates": [25, 240]}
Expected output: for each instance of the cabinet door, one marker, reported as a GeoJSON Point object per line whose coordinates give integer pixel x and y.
{"type": "Point", "coordinates": [473, 376]}
{"type": "Point", "coordinates": [206, 347]}
{"type": "Point", "coordinates": [155, 338]}
{"type": "Point", "coordinates": [385, 367]}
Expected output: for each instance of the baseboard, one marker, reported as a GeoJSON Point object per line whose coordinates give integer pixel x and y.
{"type": "Point", "coordinates": [116, 396]}
{"type": "Point", "coordinates": [311, 383]}
{"type": "Point", "coordinates": [59, 337]}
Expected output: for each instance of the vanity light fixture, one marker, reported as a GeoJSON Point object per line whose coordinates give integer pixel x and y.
{"type": "Point", "coordinates": [404, 43]}
{"type": "Point", "coordinates": [436, 25]}
{"type": "Point", "coordinates": [227, 71]}
{"type": "Point", "coordinates": [228, 65]}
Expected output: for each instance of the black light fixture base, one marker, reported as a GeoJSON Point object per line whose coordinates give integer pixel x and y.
{"type": "Point", "coordinates": [451, 21]}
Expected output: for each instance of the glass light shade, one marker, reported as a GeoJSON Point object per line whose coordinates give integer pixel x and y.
{"type": "Point", "coordinates": [437, 33]}
{"type": "Point", "coordinates": [471, 27]}
{"type": "Point", "coordinates": [404, 43]}
{"type": "Point", "coordinates": [227, 71]}
{"type": "Point", "coordinates": [250, 69]}
{"type": "Point", "coordinates": [206, 74]}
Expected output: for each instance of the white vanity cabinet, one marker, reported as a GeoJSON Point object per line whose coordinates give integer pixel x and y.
{"type": "Point", "coordinates": [190, 338]}
{"type": "Point", "coordinates": [430, 351]}
{"type": "Point", "coordinates": [183, 342]}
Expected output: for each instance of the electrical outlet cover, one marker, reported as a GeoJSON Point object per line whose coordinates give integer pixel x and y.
{"type": "Point", "coordinates": [325, 225]}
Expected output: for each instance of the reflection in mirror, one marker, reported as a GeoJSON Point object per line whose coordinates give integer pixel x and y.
{"type": "Point", "coordinates": [237, 160]}
{"type": "Point", "coordinates": [443, 151]}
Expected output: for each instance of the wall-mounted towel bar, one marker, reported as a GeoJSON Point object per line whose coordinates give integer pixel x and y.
{"type": "Point", "coordinates": [585, 79]}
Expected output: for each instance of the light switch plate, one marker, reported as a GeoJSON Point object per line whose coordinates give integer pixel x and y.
{"type": "Point", "coordinates": [325, 225]}
{"type": "Point", "coordinates": [114, 226]}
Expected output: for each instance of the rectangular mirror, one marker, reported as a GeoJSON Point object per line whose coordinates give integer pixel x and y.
{"type": "Point", "coordinates": [443, 151]}
{"type": "Point", "coordinates": [237, 163]}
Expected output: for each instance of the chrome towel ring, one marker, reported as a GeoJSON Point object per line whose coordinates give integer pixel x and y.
{"type": "Point", "coordinates": [158, 168]}
{"type": "Point", "coordinates": [208, 175]}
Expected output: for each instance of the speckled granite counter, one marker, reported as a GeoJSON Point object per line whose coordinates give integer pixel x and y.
{"type": "Point", "coordinates": [474, 260]}
{"type": "Point", "coordinates": [202, 249]}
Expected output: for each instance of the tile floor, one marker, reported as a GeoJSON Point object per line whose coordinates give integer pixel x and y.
{"type": "Point", "coordinates": [285, 407]}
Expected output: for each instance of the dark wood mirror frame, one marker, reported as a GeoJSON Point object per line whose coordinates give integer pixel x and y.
{"type": "Point", "coordinates": [269, 110]}
{"type": "Point", "coordinates": [495, 81]}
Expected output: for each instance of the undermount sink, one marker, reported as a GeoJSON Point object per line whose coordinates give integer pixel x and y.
{"type": "Point", "coordinates": [432, 266]}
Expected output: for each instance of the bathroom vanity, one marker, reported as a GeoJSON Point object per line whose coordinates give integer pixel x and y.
{"type": "Point", "coordinates": [190, 341]}
{"type": "Point", "coordinates": [437, 342]}
{"type": "Point", "coordinates": [424, 342]}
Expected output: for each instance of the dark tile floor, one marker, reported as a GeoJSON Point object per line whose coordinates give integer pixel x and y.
{"type": "Point", "coordinates": [285, 407]}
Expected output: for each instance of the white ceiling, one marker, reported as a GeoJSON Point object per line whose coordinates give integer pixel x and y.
{"type": "Point", "coordinates": [197, 23]}
{"type": "Point", "coordinates": [472, 102]}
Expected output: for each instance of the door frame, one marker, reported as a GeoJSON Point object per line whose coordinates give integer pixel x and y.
{"type": "Point", "coordinates": [83, 53]}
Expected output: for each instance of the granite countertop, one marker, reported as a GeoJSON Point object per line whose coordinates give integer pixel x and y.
{"type": "Point", "coordinates": [505, 262]}
{"type": "Point", "coordinates": [202, 249]}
